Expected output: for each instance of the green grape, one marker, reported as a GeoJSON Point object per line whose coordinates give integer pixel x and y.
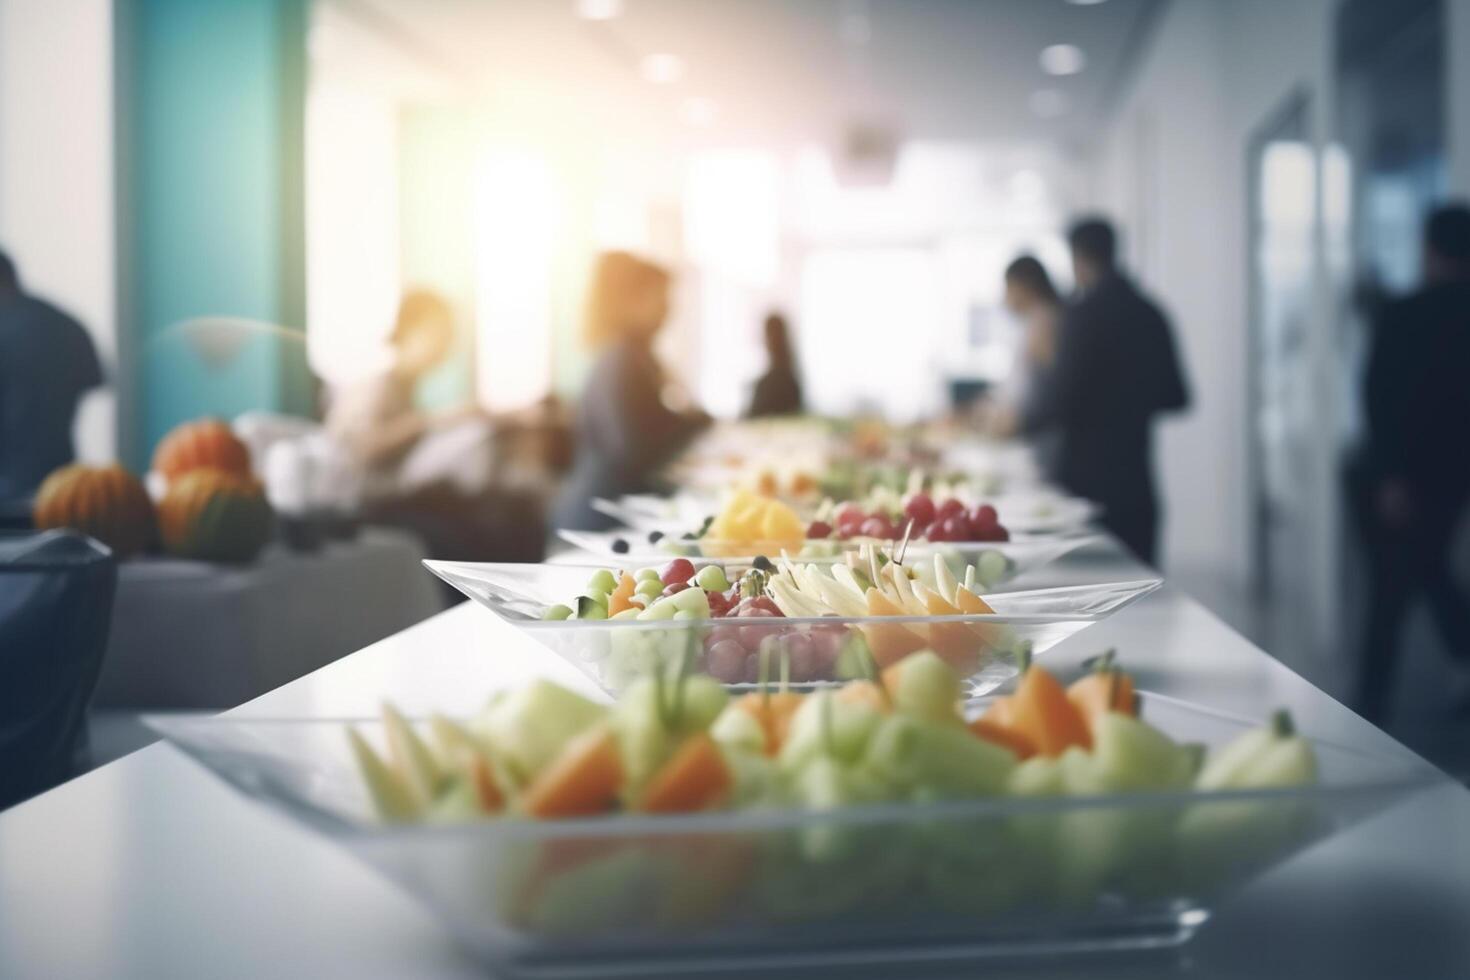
{"type": "Point", "coordinates": [603, 581]}
{"type": "Point", "coordinates": [557, 612]}
{"type": "Point", "coordinates": [712, 578]}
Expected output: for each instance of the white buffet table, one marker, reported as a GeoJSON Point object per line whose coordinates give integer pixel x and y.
{"type": "Point", "coordinates": [151, 868]}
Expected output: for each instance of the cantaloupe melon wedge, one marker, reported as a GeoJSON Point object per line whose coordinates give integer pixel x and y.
{"type": "Point", "coordinates": [957, 643]}
{"type": "Point", "coordinates": [890, 642]}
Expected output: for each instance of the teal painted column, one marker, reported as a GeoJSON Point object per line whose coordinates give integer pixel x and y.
{"type": "Point", "coordinates": [212, 228]}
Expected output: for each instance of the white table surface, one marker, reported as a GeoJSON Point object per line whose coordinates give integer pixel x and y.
{"type": "Point", "coordinates": [151, 868]}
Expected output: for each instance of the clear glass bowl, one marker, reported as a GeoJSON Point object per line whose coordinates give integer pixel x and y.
{"type": "Point", "coordinates": [985, 650]}
{"type": "Point", "coordinates": [1013, 558]}
{"type": "Point", "coordinates": [637, 894]}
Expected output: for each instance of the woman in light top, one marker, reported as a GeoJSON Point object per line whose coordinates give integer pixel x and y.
{"type": "Point", "coordinates": [378, 422]}
{"type": "Point", "coordinates": [625, 431]}
{"type": "Point", "coordinates": [1034, 301]}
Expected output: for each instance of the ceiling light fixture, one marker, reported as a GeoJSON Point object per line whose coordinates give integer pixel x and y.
{"type": "Point", "coordinates": [662, 68]}
{"type": "Point", "coordinates": [1048, 103]}
{"type": "Point", "coordinates": [1062, 59]}
{"type": "Point", "coordinates": [1085, 3]}
{"type": "Point", "coordinates": [599, 9]}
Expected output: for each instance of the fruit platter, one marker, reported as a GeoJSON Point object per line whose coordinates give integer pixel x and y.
{"type": "Point", "coordinates": [811, 623]}
{"type": "Point", "coordinates": [750, 525]}
{"type": "Point", "coordinates": [683, 821]}
{"type": "Point", "coordinates": [1034, 511]}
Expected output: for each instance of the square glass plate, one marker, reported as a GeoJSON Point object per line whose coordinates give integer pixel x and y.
{"type": "Point", "coordinates": [1011, 558]}
{"type": "Point", "coordinates": [986, 650]}
{"type": "Point", "coordinates": [636, 895]}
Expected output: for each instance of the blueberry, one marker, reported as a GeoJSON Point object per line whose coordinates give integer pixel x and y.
{"type": "Point", "coordinates": [620, 546]}
{"type": "Point", "coordinates": [763, 563]}
{"type": "Point", "coordinates": [654, 537]}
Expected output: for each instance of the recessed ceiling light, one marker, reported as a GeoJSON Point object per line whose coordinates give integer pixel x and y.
{"type": "Point", "coordinates": [662, 68]}
{"type": "Point", "coordinates": [1048, 103]}
{"type": "Point", "coordinates": [1062, 59]}
{"type": "Point", "coordinates": [699, 111]}
{"type": "Point", "coordinates": [599, 9]}
{"type": "Point", "coordinates": [1084, 3]}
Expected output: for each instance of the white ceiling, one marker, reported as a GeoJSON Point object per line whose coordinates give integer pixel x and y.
{"type": "Point", "coordinates": [780, 71]}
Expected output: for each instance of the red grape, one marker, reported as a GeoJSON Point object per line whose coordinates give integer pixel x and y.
{"type": "Point", "coordinates": [850, 513]}
{"type": "Point", "coordinates": [678, 570]}
{"type": "Point", "coordinates": [956, 527]}
{"type": "Point", "coordinates": [985, 516]}
{"type": "Point", "coordinates": [819, 529]}
{"type": "Point", "coordinates": [725, 661]}
{"type": "Point", "coordinates": [675, 587]}
{"type": "Point", "coordinates": [920, 507]}
{"type": "Point", "coordinates": [948, 509]}
{"type": "Point", "coordinates": [800, 655]}
{"type": "Point", "coordinates": [761, 605]}
{"type": "Point", "coordinates": [721, 634]}
{"type": "Point", "coordinates": [877, 527]}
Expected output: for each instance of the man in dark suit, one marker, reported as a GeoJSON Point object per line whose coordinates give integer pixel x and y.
{"type": "Point", "coordinates": [1116, 368]}
{"type": "Point", "coordinates": [47, 362]}
{"type": "Point", "coordinates": [1412, 482]}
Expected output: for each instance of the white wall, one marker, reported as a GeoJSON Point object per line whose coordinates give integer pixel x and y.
{"type": "Point", "coordinates": [57, 217]}
{"type": "Point", "coordinates": [1172, 169]}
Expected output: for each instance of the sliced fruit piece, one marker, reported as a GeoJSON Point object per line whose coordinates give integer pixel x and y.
{"type": "Point", "coordinates": [774, 713]}
{"type": "Point", "coordinates": [1005, 737]}
{"type": "Point", "coordinates": [925, 686]}
{"type": "Point", "coordinates": [621, 597]}
{"type": "Point", "coordinates": [958, 643]}
{"type": "Point", "coordinates": [1106, 689]}
{"type": "Point", "coordinates": [865, 692]}
{"type": "Point", "coordinates": [1045, 716]}
{"type": "Point", "coordinates": [695, 778]}
{"type": "Point", "coordinates": [969, 602]}
{"type": "Point", "coordinates": [889, 642]}
{"type": "Point", "coordinates": [460, 752]}
{"type": "Point", "coordinates": [411, 758]}
{"type": "Point", "coordinates": [391, 798]}
{"type": "Point", "coordinates": [583, 780]}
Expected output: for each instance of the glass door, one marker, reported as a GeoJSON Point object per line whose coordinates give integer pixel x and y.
{"type": "Point", "coordinates": [1284, 422]}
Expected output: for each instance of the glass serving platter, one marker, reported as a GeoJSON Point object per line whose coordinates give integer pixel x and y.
{"type": "Point", "coordinates": [637, 895]}
{"type": "Point", "coordinates": [995, 561]}
{"type": "Point", "coordinates": [986, 650]}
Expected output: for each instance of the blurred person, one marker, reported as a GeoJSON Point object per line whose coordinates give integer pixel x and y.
{"type": "Point", "coordinates": [47, 363]}
{"type": "Point", "coordinates": [625, 432]}
{"type": "Point", "coordinates": [1411, 480]}
{"type": "Point", "coordinates": [778, 391]}
{"type": "Point", "coordinates": [1036, 305]}
{"type": "Point", "coordinates": [1115, 368]}
{"type": "Point", "coordinates": [397, 446]}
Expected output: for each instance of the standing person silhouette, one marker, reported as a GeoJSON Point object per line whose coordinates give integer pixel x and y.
{"type": "Point", "coordinates": [778, 391]}
{"type": "Point", "coordinates": [1032, 300]}
{"type": "Point", "coordinates": [1116, 369]}
{"type": "Point", "coordinates": [625, 432]}
{"type": "Point", "coordinates": [1412, 480]}
{"type": "Point", "coordinates": [47, 363]}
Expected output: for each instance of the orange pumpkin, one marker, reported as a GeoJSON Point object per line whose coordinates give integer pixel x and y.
{"type": "Point", "coordinates": [106, 502]}
{"type": "Point", "coordinates": [208, 443]}
{"type": "Point", "coordinates": [215, 515]}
